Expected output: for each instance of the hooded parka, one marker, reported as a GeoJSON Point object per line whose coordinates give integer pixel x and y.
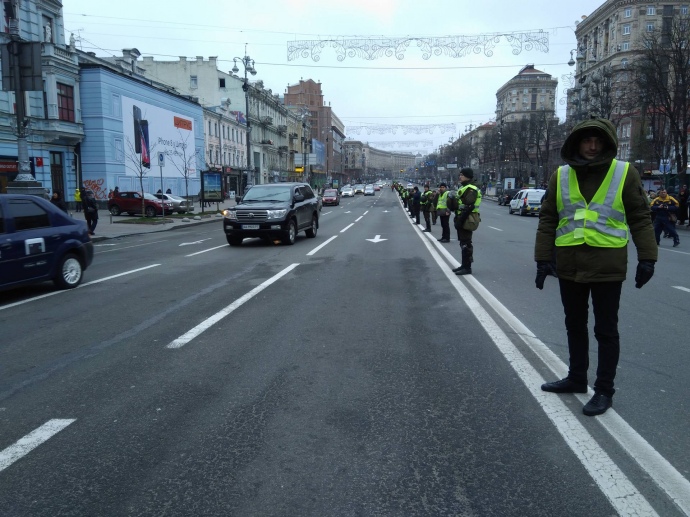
{"type": "Point", "coordinates": [584, 263]}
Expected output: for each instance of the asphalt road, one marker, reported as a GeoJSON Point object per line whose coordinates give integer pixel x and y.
{"type": "Point", "coordinates": [348, 374]}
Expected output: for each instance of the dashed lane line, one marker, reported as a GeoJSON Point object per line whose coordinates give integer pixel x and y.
{"type": "Point", "coordinates": [25, 445]}
{"type": "Point", "coordinates": [209, 322]}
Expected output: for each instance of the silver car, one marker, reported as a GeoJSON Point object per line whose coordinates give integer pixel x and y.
{"type": "Point", "coordinates": [180, 204]}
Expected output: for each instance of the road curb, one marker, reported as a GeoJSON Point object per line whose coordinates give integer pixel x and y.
{"type": "Point", "coordinates": [165, 228]}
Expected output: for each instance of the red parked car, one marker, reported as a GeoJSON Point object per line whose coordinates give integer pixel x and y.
{"type": "Point", "coordinates": [131, 203]}
{"type": "Point", "coordinates": [331, 196]}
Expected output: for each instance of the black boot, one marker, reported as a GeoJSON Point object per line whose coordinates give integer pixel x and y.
{"type": "Point", "coordinates": [466, 266]}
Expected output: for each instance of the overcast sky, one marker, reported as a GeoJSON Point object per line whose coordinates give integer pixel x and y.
{"type": "Point", "coordinates": [384, 91]}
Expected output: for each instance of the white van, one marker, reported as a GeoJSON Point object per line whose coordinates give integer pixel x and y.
{"type": "Point", "coordinates": [527, 201]}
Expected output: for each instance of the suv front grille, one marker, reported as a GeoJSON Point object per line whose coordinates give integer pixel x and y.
{"type": "Point", "coordinates": [252, 216]}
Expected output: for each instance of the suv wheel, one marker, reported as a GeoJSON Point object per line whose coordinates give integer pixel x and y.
{"type": "Point", "coordinates": [115, 210]}
{"type": "Point", "coordinates": [234, 241]}
{"type": "Point", "coordinates": [69, 272]}
{"type": "Point", "coordinates": [150, 211]}
{"type": "Point", "coordinates": [311, 232]}
{"type": "Point", "coordinates": [290, 234]}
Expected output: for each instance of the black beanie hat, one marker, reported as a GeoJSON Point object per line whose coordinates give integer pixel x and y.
{"type": "Point", "coordinates": [467, 172]}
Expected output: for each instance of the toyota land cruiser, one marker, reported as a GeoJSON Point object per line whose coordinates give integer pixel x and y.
{"type": "Point", "coordinates": [272, 211]}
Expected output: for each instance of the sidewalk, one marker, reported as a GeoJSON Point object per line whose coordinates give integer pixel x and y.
{"type": "Point", "coordinates": [111, 227]}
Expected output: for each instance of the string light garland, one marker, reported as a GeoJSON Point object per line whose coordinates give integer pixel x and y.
{"type": "Point", "coordinates": [370, 48]}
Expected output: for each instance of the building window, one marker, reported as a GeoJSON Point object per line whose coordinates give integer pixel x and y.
{"type": "Point", "coordinates": [119, 150]}
{"type": "Point", "coordinates": [624, 63]}
{"type": "Point", "coordinates": [684, 9]}
{"type": "Point", "coordinates": [65, 98]}
{"type": "Point", "coordinates": [650, 27]}
{"type": "Point", "coordinates": [626, 29]}
{"type": "Point", "coordinates": [221, 82]}
{"type": "Point", "coordinates": [193, 82]}
{"type": "Point", "coordinates": [625, 45]}
{"type": "Point", "coordinates": [628, 13]}
{"type": "Point", "coordinates": [651, 10]}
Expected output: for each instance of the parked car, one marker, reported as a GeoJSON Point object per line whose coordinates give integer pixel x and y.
{"type": "Point", "coordinates": [527, 201]}
{"type": "Point", "coordinates": [40, 242]}
{"type": "Point", "coordinates": [130, 203]}
{"type": "Point", "coordinates": [505, 197]}
{"type": "Point", "coordinates": [347, 192]}
{"type": "Point", "coordinates": [359, 188]}
{"type": "Point", "coordinates": [330, 196]}
{"type": "Point", "coordinates": [377, 187]}
{"type": "Point", "coordinates": [273, 211]}
{"type": "Point", "coordinates": [180, 204]}
{"type": "Point", "coordinates": [369, 190]}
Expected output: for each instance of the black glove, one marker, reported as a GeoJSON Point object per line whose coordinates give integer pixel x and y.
{"type": "Point", "coordinates": [544, 269]}
{"type": "Point", "coordinates": [645, 271]}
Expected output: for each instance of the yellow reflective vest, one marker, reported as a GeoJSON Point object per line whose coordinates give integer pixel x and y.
{"type": "Point", "coordinates": [442, 203]}
{"type": "Point", "coordinates": [462, 190]}
{"type": "Point", "coordinates": [601, 222]}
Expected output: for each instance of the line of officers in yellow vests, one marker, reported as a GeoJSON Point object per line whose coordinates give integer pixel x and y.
{"type": "Point", "coordinates": [440, 204]}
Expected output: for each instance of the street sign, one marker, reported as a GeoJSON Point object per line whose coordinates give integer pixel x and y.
{"type": "Point", "coordinates": [161, 159]}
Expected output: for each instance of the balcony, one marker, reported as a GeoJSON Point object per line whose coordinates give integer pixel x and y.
{"type": "Point", "coordinates": [267, 142]}
{"type": "Point", "coordinates": [282, 129]}
{"type": "Point", "coordinates": [283, 148]}
{"type": "Point", "coordinates": [294, 136]}
{"type": "Point", "coordinates": [267, 121]}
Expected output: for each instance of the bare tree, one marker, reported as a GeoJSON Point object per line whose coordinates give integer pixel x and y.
{"type": "Point", "coordinates": [662, 67]}
{"type": "Point", "coordinates": [139, 165]}
{"type": "Point", "coordinates": [185, 159]}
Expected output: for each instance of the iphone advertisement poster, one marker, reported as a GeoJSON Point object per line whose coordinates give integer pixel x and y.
{"type": "Point", "coordinates": [149, 130]}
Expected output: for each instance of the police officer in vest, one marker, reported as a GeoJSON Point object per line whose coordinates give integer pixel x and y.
{"type": "Point", "coordinates": [467, 218]}
{"type": "Point", "coordinates": [595, 203]}
{"type": "Point", "coordinates": [427, 199]}
{"type": "Point", "coordinates": [443, 212]}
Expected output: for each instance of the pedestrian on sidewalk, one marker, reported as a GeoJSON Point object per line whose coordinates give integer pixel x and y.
{"type": "Point", "coordinates": [58, 201]}
{"type": "Point", "coordinates": [683, 205]}
{"type": "Point", "coordinates": [596, 204]}
{"type": "Point", "coordinates": [90, 210]}
{"type": "Point", "coordinates": [77, 199]}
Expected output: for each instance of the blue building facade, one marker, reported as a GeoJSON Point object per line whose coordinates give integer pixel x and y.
{"type": "Point", "coordinates": [137, 136]}
{"type": "Point", "coordinates": [53, 115]}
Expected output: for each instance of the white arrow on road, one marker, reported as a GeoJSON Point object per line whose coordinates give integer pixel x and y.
{"type": "Point", "coordinates": [377, 239]}
{"type": "Point", "coordinates": [195, 242]}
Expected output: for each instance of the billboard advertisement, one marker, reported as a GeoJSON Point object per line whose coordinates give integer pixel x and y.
{"type": "Point", "coordinates": [149, 130]}
{"type": "Point", "coordinates": [319, 149]}
{"type": "Point", "coordinates": [211, 189]}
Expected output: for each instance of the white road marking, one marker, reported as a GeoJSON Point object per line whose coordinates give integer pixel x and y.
{"type": "Point", "coordinates": [312, 252]}
{"type": "Point", "coordinates": [195, 242]}
{"type": "Point", "coordinates": [204, 251]}
{"type": "Point", "coordinates": [32, 440]}
{"type": "Point", "coordinates": [654, 464]}
{"type": "Point", "coordinates": [209, 322]}
{"type": "Point", "coordinates": [376, 239]}
{"type": "Point", "coordinates": [358, 219]}
{"type": "Point", "coordinates": [55, 293]}
{"type": "Point", "coordinates": [617, 488]}
{"type": "Point", "coordinates": [494, 228]}
{"type": "Point", "coordinates": [128, 247]}
{"type": "Point", "coordinates": [365, 213]}
{"type": "Point", "coordinates": [326, 213]}
{"type": "Point", "coordinates": [681, 288]}
{"type": "Point", "coordinates": [347, 227]}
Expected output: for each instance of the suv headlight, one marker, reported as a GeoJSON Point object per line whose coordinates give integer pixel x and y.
{"type": "Point", "coordinates": [230, 214]}
{"type": "Point", "coordinates": [276, 214]}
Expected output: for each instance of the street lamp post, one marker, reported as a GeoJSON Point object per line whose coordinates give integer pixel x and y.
{"type": "Point", "coordinates": [248, 65]}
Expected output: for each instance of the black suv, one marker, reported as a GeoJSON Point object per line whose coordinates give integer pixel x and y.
{"type": "Point", "coordinates": [273, 211]}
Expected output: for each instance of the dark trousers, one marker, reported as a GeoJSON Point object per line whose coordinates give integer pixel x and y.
{"type": "Point", "coordinates": [415, 213]}
{"type": "Point", "coordinates": [605, 302]}
{"type": "Point", "coordinates": [662, 223]}
{"type": "Point", "coordinates": [445, 225]}
{"type": "Point", "coordinates": [91, 222]}
{"type": "Point", "coordinates": [427, 219]}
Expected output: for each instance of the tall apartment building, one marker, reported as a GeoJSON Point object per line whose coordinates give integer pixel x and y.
{"type": "Point", "coordinates": [307, 97]}
{"type": "Point", "coordinates": [606, 42]}
{"type": "Point", "coordinates": [529, 92]}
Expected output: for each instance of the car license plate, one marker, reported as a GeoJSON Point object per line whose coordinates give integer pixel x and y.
{"type": "Point", "coordinates": [250, 226]}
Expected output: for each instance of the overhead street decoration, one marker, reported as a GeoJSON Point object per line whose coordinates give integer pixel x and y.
{"type": "Point", "coordinates": [371, 47]}
{"type": "Point", "coordinates": [403, 143]}
{"type": "Point", "coordinates": [392, 129]}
